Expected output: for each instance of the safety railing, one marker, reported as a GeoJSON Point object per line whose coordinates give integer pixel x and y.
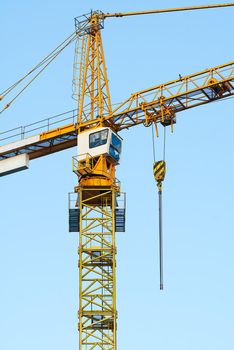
{"type": "Point", "coordinates": [73, 212]}
{"type": "Point", "coordinates": [120, 212]}
{"type": "Point", "coordinates": [41, 126]}
{"type": "Point", "coordinates": [83, 164]}
{"type": "Point", "coordinates": [73, 200]}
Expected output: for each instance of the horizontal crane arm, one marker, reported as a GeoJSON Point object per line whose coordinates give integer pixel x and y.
{"type": "Point", "coordinates": [159, 103]}
{"type": "Point", "coordinates": [188, 8]}
{"type": "Point", "coordinates": [165, 100]}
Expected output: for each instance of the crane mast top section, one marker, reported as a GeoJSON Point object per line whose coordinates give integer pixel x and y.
{"type": "Point", "coordinates": [89, 23]}
{"type": "Point", "coordinates": [90, 82]}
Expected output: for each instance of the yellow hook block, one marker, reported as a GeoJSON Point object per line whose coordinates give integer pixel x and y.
{"type": "Point", "coordinates": [159, 170]}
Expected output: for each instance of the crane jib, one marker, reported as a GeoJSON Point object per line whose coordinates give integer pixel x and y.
{"type": "Point", "coordinates": [150, 105]}
{"type": "Point", "coordinates": [176, 9]}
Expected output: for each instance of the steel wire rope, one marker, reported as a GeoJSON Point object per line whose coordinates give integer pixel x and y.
{"type": "Point", "coordinates": [164, 144]}
{"type": "Point", "coordinates": [49, 59]}
{"type": "Point", "coordinates": [153, 143]}
{"type": "Point", "coordinates": [10, 88]}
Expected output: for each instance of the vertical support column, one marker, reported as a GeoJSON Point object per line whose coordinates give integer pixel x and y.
{"type": "Point", "coordinates": [90, 80]}
{"type": "Point", "coordinates": [97, 268]}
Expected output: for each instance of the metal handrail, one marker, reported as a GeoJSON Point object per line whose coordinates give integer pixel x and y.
{"type": "Point", "coordinates": [88, 158]}
{"type": "Point", "coordinates": [47, 124]}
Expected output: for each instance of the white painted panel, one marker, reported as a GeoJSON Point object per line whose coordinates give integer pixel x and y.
{"type": "Point", "coordinates": [19, 144]}
{"type": "Point", "coordinates": [14, 164]}
{"type": "Point", "coordinates": [83, 144]}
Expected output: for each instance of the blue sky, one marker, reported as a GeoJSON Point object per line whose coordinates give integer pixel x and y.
{"type": "Point", "coordinates": [38, 257]}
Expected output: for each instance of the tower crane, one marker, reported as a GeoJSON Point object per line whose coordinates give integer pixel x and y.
{"type": "Point", "coordinates": [97, 206]}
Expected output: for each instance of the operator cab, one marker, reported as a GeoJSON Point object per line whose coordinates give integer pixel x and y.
{"type": "Point", "coordinates": [102, 141]}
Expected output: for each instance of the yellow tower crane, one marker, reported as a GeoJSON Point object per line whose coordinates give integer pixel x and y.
{"type": "Point", "coordinates": [97, 207]}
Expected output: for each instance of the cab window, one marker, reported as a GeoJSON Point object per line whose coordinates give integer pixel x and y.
{"type": "Point", "coordinates": [116, 142]}
{"type": "Point", "coordinates": [98, 138]}
{"type": "Point", "coordinates": [115, 147]}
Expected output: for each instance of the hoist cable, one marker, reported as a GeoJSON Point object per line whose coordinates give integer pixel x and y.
{"type": "Point", "coordinates": [160, 239]}
{"type": "Point", "coordinates": [153, 143]}
{"type": "Point", "coordinates": [164, 144]}
{"type": "Point", "coordinates": [161, 218]}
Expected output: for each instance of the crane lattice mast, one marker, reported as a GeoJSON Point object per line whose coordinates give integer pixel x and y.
{"type": "Point", "coordinates": [98, 192]}
{"type": "Point", "coordinates": [97, 206]}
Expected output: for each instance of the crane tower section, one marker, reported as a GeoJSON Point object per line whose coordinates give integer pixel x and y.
{"type": "Point", "coordinates": [98, 213]}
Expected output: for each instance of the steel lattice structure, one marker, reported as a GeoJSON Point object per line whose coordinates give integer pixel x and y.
{"type": "Point", "coordinates": [97, 214]}
{"type": "Point", "coordinates": [97, 264]}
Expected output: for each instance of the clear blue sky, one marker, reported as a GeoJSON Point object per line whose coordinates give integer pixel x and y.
{"type": "Point", "coordinates": [38, 258]}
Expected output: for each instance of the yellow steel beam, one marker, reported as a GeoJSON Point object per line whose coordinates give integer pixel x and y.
{"type": "Point", "coordinates": [53, 133]}
{"type": "Point", "coordinates": [176, 9]}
